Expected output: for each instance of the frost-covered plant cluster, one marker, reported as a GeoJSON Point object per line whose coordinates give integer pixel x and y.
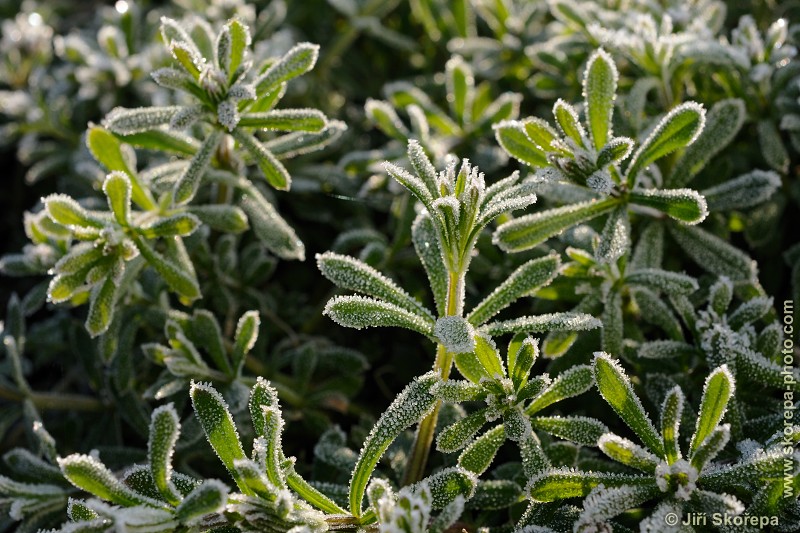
{"type": "Point", "coordinates": [399, 266]}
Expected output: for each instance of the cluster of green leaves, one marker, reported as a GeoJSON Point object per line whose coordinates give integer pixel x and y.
{"type": "Point", "coordinates": [631, 229]}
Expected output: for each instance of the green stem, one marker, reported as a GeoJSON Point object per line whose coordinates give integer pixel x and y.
{"type": "Point", "coordinates": [443, 363]}
{"type": "Point", "coordinates": [54, 402]}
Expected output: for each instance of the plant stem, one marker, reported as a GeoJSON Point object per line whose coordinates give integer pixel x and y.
{"type": "Point", "coordinates": [443, 363]}
{"type": "Point", "coordinates": [54, 402]}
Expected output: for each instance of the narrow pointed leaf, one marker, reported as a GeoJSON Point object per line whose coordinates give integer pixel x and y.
{"type": "Point", "coordinates": [663, 280]}
{"type": "Point", "coordinates": [270, 228]}
{"type": "Point", "coordinates": [679, 128]}
{"type": "Point", "coordinates": [451, 483]}
{"type": "Point", "coordinates": [215, 418]}
{"type": "Point", "coordinates": [627, 453]}
{"type": "Point", "coordinates": [527, 231]}
{"type": "Point", "coordinates": [272, 169]}
{"type": "Point", "coordinates": [542, 323]}
{"type": "Point", "coordinates": [178, 279]}
{"type": "Point", "coordinates": [188, 183]}
{"type": "Point", "coordinates": [310, 120]}
{"type": "Point", "coordinates": [578, 429]}
{"type": "Point", "coordinates": [523, 281]}
{"type": "Point", "coordinates": [615, 387]}
{"type": "Point", "coordinates": [101, 307]}
{"type": "Point", "coordinates": [362, 312]}
{"type": "Point", "coordinates": [127, 121]}
{"type": "Point", "coordinates": [459, 434]}
{"type": "Point", "coordinates": [569, 383]}
{"type": "Point", "coordinates": [89, 474]}
{"type": "Point", "coordinates": [564, 483]}
{"type": "Point", "coordinates": [164, 430]}
{"type": "Point", "coordinates": [428, 248]}
{"type": "Point", "coordinates": [208, 498]}
{"type": "Point", "coordinates": [684, 205]}
{"type": "Point", "coordinates": [599, 91]}
{"type": "Point", "coordinates": [412, 405]}
{"type": "Point", "coordinates": [747, 190]}
{"type": "Point", "coordinates": [567, 120]}
{"type": "Point", "coordinates": [510, 135]}
{"type": "Point", "coordinates": [295, 62]}
{"type": "Point", "coordinates": [717, 392]}
{"type": "Point", "coordinates": [245, 338]}
{"type": "Point", "coordinates": [615, 238]}
{"type": "Point", "coordinates": [671, 413]}
{"type": "Point", "coordinates": [117, 188]}
{"type": "Point", "coordinates": [478, 456]}
{"type": "Point", "coordinates": [351, 274]}
{"type": "Point", "coordinates": [714, 254]}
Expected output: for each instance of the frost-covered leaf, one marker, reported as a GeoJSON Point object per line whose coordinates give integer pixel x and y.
{"type": "Point", "coordinates": [522, 282]}
{"type": "Point", "coordinates": [272, 169]}
{"type": "Point", "coordinates": [245, 338]}
{"type": "Point", "coordinates": [615, 387]}
{"type": "Point", "coordinates": [428, 248]}
{"type": "Point", "coordinates": [747, 190]}
{"type": "Point", "coordinates": [510, 135]}
{"type": "Point", "coordinates": [101, 306]}
{"type": "Point", "coordinates": [89, 474]}
{"type": "Point", "coordinates": [714, 254]}
{"type": "Point", "coordinates": [599, 91]}
{"type": "Point", "coordinates": [460, 88]}
{"type": "Point", "coordinates": [627, 452]}
{"type": "Point", "coordinates": [412, 405]}
{"type": "Point", "coordinates": [384, 116]}
{"type": "Point", "coordinates": [189, 181]}
{"type": "Point", "coordinates": [567, 120]}
{"type": "Point", "coordinates": [772, 147]}
{"type": "Point", "coordinates": [671, 413]}
{"type": "Point", "coordinates": [723, 122]}
{"type": "Point", "coordinates": [177, 277]}
{"type": "Point", "coordinates": [177, 225]}
{"type": "Point", "coordinates": [663, 280]}
{"type": "Point", "coordinates": [270, 228]}
{"type": "Point", "coordinates": [665, 349]}
{"type": "Point", "coordinates": [613, 333]}
{"type": "Point", "coordinates": [564, 483]}
{"type": "Point", "coordinates": [350, 273]}
{"type": "Point", "coordinates": [750, 311]}
{"type": "Point", "coordinates": [569, 383]}
{"type": "Point", "coordinates": [310, 120]}
{"type": "Point", "coordinates": [362, 312]}
{"type": "Point", "coordinates": [297, 61]}
{"type": "Point", "coordinates": [215, 418]}
{"type": "Point", "coordinates": [478, 456]}
{"type": "Point", "coordinates": [220, 217]}
{"type": "Point", "coordinates": [521, 356]}
{"type": "Point", "coordinates": [458, 434]}
{"type": "Point", "coordinates": [527, 231]}
{"type": "Point", "coordinates": [615, 238]}
{"type": "Point", "coordinates": [541, 323]}
{"type": "Point", "coordinates": [164, 430]}
{"type": "Point", "coordinates": [711, 446]}
{"type": "Point", "coordinates": [684, 205]}
{"type": "Point", "coordinates": [717, 391]}
{"type": "Point", "coordinates": [127, 121]}
{"type": "Point", "coordinates": [66, 211]}
{"type": "Point", "coordinates": [649, 250]}
{"type": "Point", "coordinates": [578, 429]}
{"type": "Point", "coordinates": [210, 497]}
{"type": "Point", "coordinates": [602, 504]}
{"type": "Point", "coordinates": [679, 128]}
{"type": "Point", "coordinates": [448, 484]}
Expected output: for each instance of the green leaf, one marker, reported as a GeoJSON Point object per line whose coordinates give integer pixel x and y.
{"type": "Point", "coordinates": [170, 142]}
{"type": "Point", "coordinates": [567, 120]}
{"type": "Point", "coordinates": [520, 361]}
{"type": "Point", "coordinates": [679, 128]}
{"type": "Point", "coordinates": [663, 280]}
{"type": "Point", "coordinates": [564, 483]}
{"type": "Point", "coordinates": [117, 188]}
{"type": "Point", "coordinates": [747, 190]}
{"type": "Point", "coordinates": [217, 423]}
{"type": "Point", "coordinates": [89, 474]}
{"type": "Point", "coordinates": [270, 228]}
{"type": "Point", "coordinates": [711, 446]}
{"type": "Point", "coordinates": [616, 150]}
{"type": "Point", "coordinates": [127, 121]}
{"type": "Point", "coordinates": [541, 133]}
{"type": "Point", "coordinates": [208, 498]}
{"type": "Point", "coordinates": [524, 281]}
{"type": "Point", "coordinates": [569, 383]}
{"type": "Point", "coordinates": [498, 494]}
{"type": "Point", "coordinates": [684, 205]}
{"type": "Point", "coordinates": [384, 116]}
{"type": "Point", "coordinates": [103, 300]}
{"type": "Point", "coordinates": [178, 279]}
{"type": "Point", "coordinates": [108, 151]}
{"type": "Point", "coordinates": [541, 323]}
{"type": "Point", "coordinates": [717, 392]}
{"type": "Point", "coordinates": [261, 395]}
{"type": "Point", "coordinates": [578, 429]}
{"type": "Point", "coordinates": [460, 88]}
{"type": "Point", "coordinates": [312, 495]}
{"type": "Point", "coordinates": [221, 217]}
{"type": "Point", "coordinates": [527, 231]}
{"type": "Point", "coordinates": [271, 442]}
{"type": "Point", "coordinates": [429, 251]}
{"type": "Point", "coordinates": [295, 62]}
{"type": "Point", "coordinates": [177, 225]}
{"type": "Point", "coordinates": [240, 41]}
{"type": "Point", "coordinates": [478, 456]}
{"type": "Point", "coordinates": [351, 274]}
{"type": "Point", "coordinates": [714, 254]}
{"type": "Point", "coordinates": [510, 135]}
{"type": "Point", "coordinates": [671, 413]}
{"type": "Point", "coordinates": [272, 169]}
{"type": "Point", "coordinates": [772, 147]}
{"type": "Point", "coordinates": [245, 339]}
{"type": "Point", "coordinates": [411, 406]}
{"type": "Point", "coordinates": [458, 434]}
{"type": "Point", "coordinates": [723, 122]}
{"type": "Point", "coordinates": [600, 90]}
{"type": "Point", "coordinates": [448, 484]}
{"type": "Point", "coordinates": [615, 238]}
{"type": "Point", "coordinates": [165, 428]}
{"type": "Point", "coordinates": [66, 211]}
{"type": "Point", "coordinates": [413, 183]}
{"type": "Point", "coordinates": [628, 453]}
{"type": "Point", "coordinates": [299, 142]}
{"type": "Point", "coordinates": [188, 183]}
{"type": "Point", "coordinates": [362, 312]}
{"type": "Point", "coordinates": [310, 120]}
{"type": "Point", "coordinates": [616, 389]}
{"type": "Point", "coordinates": [207, 333]}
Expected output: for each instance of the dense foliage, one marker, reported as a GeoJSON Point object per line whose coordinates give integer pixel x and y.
{"type": "Point", "coordinates": [574, 222]}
